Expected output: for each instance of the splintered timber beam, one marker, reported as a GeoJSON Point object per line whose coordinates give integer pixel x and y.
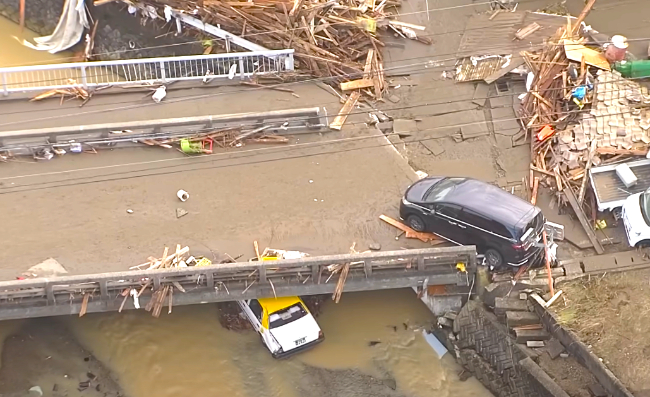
{"type": "Point", "coordinates": [338, 122]}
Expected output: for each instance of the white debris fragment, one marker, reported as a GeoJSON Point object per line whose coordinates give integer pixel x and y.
{"type": "Point", "coordinates": [136, 301]}
{"type": "Point", "coordinates": [182, 195]}
{"type": "Point", "coordinates": [132, 9]}
{"type": "Point", "coordinates": [129, 211]}
{"type": "Point", "coordinates": [168, 13]}
{"type": "Point", "coordinates": [232, 71]}
{"type": "Point", "coordinates": [159, 94]}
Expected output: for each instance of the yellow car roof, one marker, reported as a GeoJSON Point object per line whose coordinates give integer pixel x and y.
{"type": "Point", "coordinates": [272, 305]}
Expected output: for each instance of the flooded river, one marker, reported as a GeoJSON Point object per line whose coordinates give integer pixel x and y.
{"type": "Point", "coordinates": [188, 353]}
{"type": "Point", "coordinates": [14, 53]}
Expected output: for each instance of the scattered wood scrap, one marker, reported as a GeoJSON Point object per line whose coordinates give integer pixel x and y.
{"type": "Point", "coordinates": [330, 38]}
{"type": "Point", "coordinates": [410, 233]}
{"type": "Point", "coordinates": [338, 122]}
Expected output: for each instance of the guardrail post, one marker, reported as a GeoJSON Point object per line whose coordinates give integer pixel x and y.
{"type": "Point", "coordinates": [315, 269]}
{"type": "Point", "coordinates": [103, 289]}
{"type": "Point", "coordinates": [156, 283]}
{"type": "Point", "coordinates": [49, 292]}
{"type": "Point", "coordinates": [241, 68]}
{"type": "Point", "coordinates": [420, 263]}
{"type": "Point", "coordinates": [83, 77]}
{"type": "Point", "coordinates": [163, 75]}
{"type": "Point", "coordinates": [5, 91]}
{"type": "Point", "coordinates": [209, 279]}
{"type": "Point", "coordinates": [367, 267]}
{"type": "Point", "coordinates": [262, 271]}
{"type": "Point", "coordinates": [288, 62]}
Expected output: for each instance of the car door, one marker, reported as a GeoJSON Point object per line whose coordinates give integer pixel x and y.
{"type": "Point", "coordinates": [253, 311]}
{"type": "Point", "coordinates": [445, 222]}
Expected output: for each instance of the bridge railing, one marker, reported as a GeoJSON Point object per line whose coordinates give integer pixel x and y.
{"type": "Point", "coordinates": [162, 70]}
{"type": "Point", "coordinates": [234, 281]}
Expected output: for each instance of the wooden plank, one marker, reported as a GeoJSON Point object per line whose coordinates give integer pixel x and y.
{"type": "Point", "coordinates": [577, 52]}
{"type": "Point", "coordinates": [583, 185]}
{"type": "Point", "coordinates": [586, 225]}
{"type": "Point", "coordinates": [527, 31]}
{"type": "Point", "coordinates": [558, 180]}
{"type": "Point", "coordinates": [410, 233]}
{"type": "Point", "coordinates": [376, 78]}
{"type": "Point", "coordinates": [369, 63]}
{"type": "Point", "coordinates": [338, 122]}
{"type": "Point", "coordinates": [356, 84]}
{"type": "Point", "coordinates": [583, 14]}
{"type": "Point", "coordinates": [533, 199]}
{"type": "Point", "coordinates": [296, 6]}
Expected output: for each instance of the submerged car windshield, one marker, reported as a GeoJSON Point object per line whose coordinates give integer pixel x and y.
{"type": "Point", "coordinates": [285, 316]}
{"type": "Point", "coordinates": [441, 189]}
{"type": "Point", "coordinates": [644, 201]}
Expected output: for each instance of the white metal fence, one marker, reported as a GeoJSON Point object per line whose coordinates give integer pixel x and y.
{"type": "Point", "coordinates": [143, 71]}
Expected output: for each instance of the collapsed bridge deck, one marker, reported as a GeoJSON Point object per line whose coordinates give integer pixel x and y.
{"type": "Point", "coordinates": [235, 281]}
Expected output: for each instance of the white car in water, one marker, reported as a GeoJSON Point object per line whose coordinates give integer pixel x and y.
{"type": "Point", "coordinates": [636, 219]}
{"type": "Point", "coordinates": [285, 324]}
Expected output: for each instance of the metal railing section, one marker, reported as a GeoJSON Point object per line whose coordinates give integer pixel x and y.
{"type": "Point", "coordinates": [144, 71]}
{"type": "Point", "coordinates": [235, 279]}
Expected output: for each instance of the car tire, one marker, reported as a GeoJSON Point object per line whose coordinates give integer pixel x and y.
{"type": "Point", "coordinates": [493, 258]}
{"type": "Point", "coordinates": [415, 222]}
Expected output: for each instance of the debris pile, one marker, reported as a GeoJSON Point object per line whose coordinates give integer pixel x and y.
{"type": "Point", "coordinates": [579, 112]}
{"type": "Point", "coordinates": [183, 141]}
{"type": "Point", "coordinates": [330, 38]}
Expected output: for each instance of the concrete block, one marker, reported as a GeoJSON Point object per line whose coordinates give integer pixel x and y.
{"type": "Point", "coordinates": [525, 335]}
{"type": "Point", "coordinates": [535, 343]}
{"type": "Point", "coordinates": [403, 126]}
{"type": "Point", "coordinates": [554, 348]}
{"type": "Point", "coordinates": [518, 319]}
{"type": "Point", "coordinates": [433, 146]}
{"type": "Point", "coordinates": [505, 304]}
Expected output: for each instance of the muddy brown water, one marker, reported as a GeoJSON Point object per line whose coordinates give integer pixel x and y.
{"type": "Point", "coordinates": [188, 352]}
{"type": "Point", "coordinates": [14, 53]}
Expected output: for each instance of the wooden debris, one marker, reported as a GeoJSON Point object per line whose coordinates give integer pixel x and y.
{"type": "Point", "coordinates": [410, 233]}
{"type": "Point", "coordinates": [329, 38]}
{"type": "Point", "coordinates": [533, 199]}
{"type": "Point", "coordinates": [527, 31]}
{"type": "Point", "coordinates": [356, 84]}
{"type": "Point", "coordinates": [338, 122]}
{"type": "Point", "coordinates": [84, 305]}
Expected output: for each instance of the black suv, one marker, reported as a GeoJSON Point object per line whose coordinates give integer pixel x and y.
{"type": "Point", "coordinates": [503, 227]}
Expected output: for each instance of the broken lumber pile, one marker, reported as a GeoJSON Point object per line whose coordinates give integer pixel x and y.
{"type": "Point", "coordinates": [330, 38]}
{"type": "Point", "coordinates": [578, 114]}
{"type": "Point", "coordinates": [164, 294]}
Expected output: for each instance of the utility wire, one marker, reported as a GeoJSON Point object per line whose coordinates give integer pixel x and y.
{"type": "Point", "coordinates": [206, 96]}
{"type": "Point", "coordinates": [232, 156]}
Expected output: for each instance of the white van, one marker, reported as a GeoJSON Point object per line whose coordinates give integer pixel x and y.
{"type": "Point", "coordinates": [285, 324]}
{"type": "Point", "coordinates": [636, 218]}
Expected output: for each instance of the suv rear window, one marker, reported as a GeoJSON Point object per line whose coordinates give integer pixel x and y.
{"type": "Point", "coordinates": [285, 316]}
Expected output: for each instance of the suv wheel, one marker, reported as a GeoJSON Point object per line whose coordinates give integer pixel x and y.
{"type": "Point", "coordinates": [415, 222]}
{"type": "Point", "coordinates": [493, 258]}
